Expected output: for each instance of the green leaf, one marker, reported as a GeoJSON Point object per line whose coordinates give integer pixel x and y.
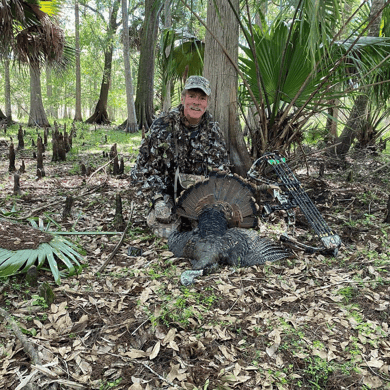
{"type": "Point", "coordinates": [14, 263]}
{"type": "Point", "coordinates": [66, 261]}
{"type": "Point", "coordinates": [32, 259]}
{"type": "Point", "coordinates": [66, 247]}
{"type": "Point", "coordinates": [52, 263]}
{"type": "Point", "coordinates": [4, 254]}
{"type": "Point", "coordinates": [58, 249]}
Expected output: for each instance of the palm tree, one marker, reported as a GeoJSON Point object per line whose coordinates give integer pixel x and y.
{"type": "Point", "coordinates": [290, 68]}
{"type": "Point", "coordinates": [28, 30]}
{"type": "Point", "coordinates": [181, 55]}
{"type": "Point", "coordinates": [358, 113]}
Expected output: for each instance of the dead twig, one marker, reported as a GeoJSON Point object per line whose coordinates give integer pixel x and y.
{"type": "Point", "coordinates": [101, 269]}
{"type": "Point", "coordinates": [125, 358]}
{"type": "Point", "coordinates": [27, 345]}
{"type": "Point", "coordinates": [5, 284]}
{"type": "Point", "coordinates": [383, 166]}
{"type": "Point", "coordinates": [158, 375]}
{"type": "Point", "coordinates": [375, 373]}
{"type": "Point", "coordinates": [99, 169]}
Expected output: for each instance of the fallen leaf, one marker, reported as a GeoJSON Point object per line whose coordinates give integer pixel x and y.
{"type": "Point", "coordinates": [155, 351]}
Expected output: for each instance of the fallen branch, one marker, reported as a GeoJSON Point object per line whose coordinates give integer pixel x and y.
{"type": "Point", "coordinates": [383, 166]}
{"type": "Point", "coordinates": [157, 374]}
{"type": "Point", "coordinates": [99, 169]}
{"type": "Point", "coordinates": [27, 346]}
{"type": "Point", "coordinates": [375, 373]}
{"type": "Point", "coordinates": [101, 269]}
{"type": "Point", "coordinates": [125, 358]}
{"type": "Point", "coordinates": [25, 383]}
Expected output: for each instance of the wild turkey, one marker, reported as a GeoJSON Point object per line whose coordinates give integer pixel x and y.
{"type": "Point", "coordinates": [225, 208]}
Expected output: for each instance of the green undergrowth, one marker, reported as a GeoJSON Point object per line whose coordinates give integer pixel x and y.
{"type": "Point", "coordinates": [90, 141]}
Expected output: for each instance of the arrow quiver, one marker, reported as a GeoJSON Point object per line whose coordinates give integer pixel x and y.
{"type": "Point", "coordinates": [275, 176]}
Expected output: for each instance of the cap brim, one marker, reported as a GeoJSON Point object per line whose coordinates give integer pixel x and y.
{"type": "Point", "coordinates": [208, 93]}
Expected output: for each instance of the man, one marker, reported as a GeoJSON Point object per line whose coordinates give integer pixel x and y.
{"type": "Point", "coordinates": [182, 141]}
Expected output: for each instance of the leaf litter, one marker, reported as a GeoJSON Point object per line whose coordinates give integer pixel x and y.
{"type": "Point", "coordinates": [307, 322]}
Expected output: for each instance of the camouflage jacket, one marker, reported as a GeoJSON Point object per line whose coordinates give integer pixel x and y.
{"type": "Point", "coordinates": [170, 143]}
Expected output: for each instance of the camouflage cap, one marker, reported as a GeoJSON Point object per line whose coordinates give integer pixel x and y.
{"type": "Point", "coordinates": [200, 82]}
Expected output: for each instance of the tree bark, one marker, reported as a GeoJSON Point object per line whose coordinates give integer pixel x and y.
{"type": "Point", "coordinates": [37, 115]}
{"type": "Point", "coordinates": [49, 92]}
{"type": "Point", "coordinates": [2, 115]}
{"type": "Point", "coordinates": [20, 138]}
{"type": "Point", "coordinates": [331, 121]}
{"type": "Point", "coordinates": [130, 125]}
{"type": "Point", "coordinates": [11, 157]}
{"type": "Point", "coordinates": [145, 85]}
{"type": "Point", "coordinates": [166, 104]}
{"type": "Point", "coordinates": [223, 79]}
{"type": "Point", "coordinates": [17, 190]}
{"type": "Point", "coordinates": [100, 115]}
{"type": "Point", "coordinates": [358, 115]}
{"type": "Point", "coordinates": [77, 116]}
{"type": "Point", "coordinates": [7, 90]}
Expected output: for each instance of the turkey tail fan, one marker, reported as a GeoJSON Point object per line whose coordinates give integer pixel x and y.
{"type": "Point", "coordinates": [230, 187]}
{"type": "Point", "coordinates": [221, 189]}
{"type": "Point", "coordinates": [188, 202]}
{"type": "Point", "coordinates": [263, 250]}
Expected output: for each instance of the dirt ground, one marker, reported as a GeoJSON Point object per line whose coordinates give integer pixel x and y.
{"type": "Point", "coordinates": [308, 322]}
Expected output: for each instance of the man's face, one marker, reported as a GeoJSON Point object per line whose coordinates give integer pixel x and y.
{"type": "Point", "coordinates": [195, 103]}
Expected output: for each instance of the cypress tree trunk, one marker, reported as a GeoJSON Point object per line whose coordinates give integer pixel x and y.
{"type": "Point", "coordinates": [145, 92]}
{"type": "Point", "coordinates": [7, 90]}
{"type": "Point", "coordinates": [49, 92]}
{"type": "Point", "coordinates": [37, 115]}
{"type": "Point", "coordinates": [100, 115]}
{"type": "Point", "coordinates": [2, 115]}
{"type": "Point", "coordinates": [223, 78]}
{"type": "Point", "coordinates": [77, 117]}
{"type": "Point", "coordinates": [130, 125]}
{"type": "Point", "coordinates": [166, 104]}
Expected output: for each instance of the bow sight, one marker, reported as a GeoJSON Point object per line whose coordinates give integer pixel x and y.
{"type": "Point", "coordinates": [288, 191]}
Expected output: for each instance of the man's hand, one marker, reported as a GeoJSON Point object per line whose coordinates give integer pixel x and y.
{"type": "Point", "coordinates": [163, 209]}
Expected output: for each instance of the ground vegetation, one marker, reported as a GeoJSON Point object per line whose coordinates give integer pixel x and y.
{"type": "Point", "coordinates": [309, 322]}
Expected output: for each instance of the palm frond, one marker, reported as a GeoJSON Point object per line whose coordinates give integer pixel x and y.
{"type": "Point", "coordinates": [60, 254]}
{"type": "Point", "coordinates": [30, 30]}
{"type": "Point", "coordinates": [181, 54]}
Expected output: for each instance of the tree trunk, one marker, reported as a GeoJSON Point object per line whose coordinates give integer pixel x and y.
{"type": "Point", "coordinates": [130, 125]}
{"type": "Point", "coordinates": [49, 92]}
{"type": "Point", "coordinates": [145, 91]}
{"type": "Point", "coordinates": [65, 112]}
{"type": "Point", "coordinates": [331, 120]}
{"type": "Point", "coordinates": [358, 116]}
{"type": "Point", "coordinates": [78, 116]}
{"type": "Point", "coordinates": [7, 90]}
{"type": "Point", "coordinates": [2, 115]}
{"type": "Point", "coordinates": [223, 79]}
{"type": "Point", "coordinates": [37, 115]}
{"type": "Point", "coordinates": [100, 116]}
{"type": "Point", "coordinates": [166, 104]}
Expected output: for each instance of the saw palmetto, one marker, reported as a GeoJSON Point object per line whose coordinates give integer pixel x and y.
{"type": "Point", "coordinates": [60, 254]}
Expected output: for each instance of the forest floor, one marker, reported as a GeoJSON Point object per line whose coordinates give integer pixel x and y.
{"type": "Point", "coordinates": [307, 322]}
